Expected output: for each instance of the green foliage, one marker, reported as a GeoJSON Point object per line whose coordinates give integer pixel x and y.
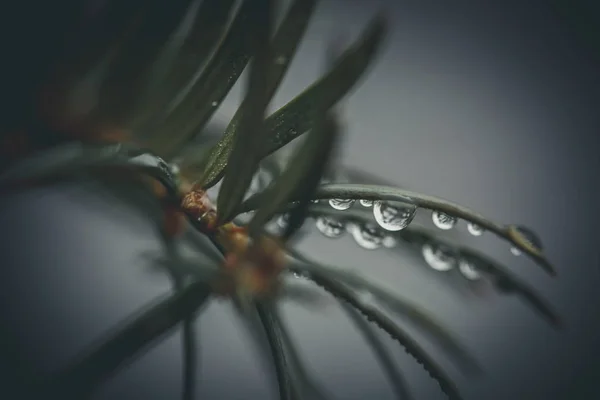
{"type": "Point", "coordinates": [245, 150]}
{"type": "Point", "coordinates": [298, 116]}
{"type": "Point", "coordinates": [164, 72]}
{"type": "Point", "coordinates": [282, 50]}
{"type": "Point", "coordinates": [196, 104]}
{"type": "Point", "coordinates": [300, 180]}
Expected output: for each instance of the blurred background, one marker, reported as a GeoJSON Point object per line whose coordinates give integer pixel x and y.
{"type": "Point", "coordinates": [493, 105]}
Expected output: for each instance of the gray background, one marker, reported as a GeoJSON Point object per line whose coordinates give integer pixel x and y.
{"type": "Point", "coordinates": [490, 105]}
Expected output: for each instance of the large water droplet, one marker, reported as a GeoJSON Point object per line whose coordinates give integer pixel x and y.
{"type": "Point", "coordinates": [341, 204]}
{"type": "Point", "coordinates": [468, 270]}
{"type": "Point", "coordinates": [330, 227]}
{"type": "Point", "coordinates": [393, 216]}
{"type": "Point", "coordinates": [443, 220]}
{"type": "Point", "coordinates": [366, 203]}
{"type": "Point", "coordinates": [529, 236]}
{"type": "Point", "coordinates": [368, 236]}
{"type": "Point", "coordinates": [474, 229]}
{"type": "Point", "coordinates": [439, 257]}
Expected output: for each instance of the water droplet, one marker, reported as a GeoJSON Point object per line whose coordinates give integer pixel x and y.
{"type": "Point", "coordinates": [315, 201]}
{"type": "Point", "coordinates": [474, 229]}
{"type": "Point", "coordinates": [368, 236]}
{"type": "Point", "coordinates": [439, 257]}
{"type": "Point", "coordinates": [443, 220]}
{"type": "Point", "coordinates": [214, 103]}
{"type": "Point", "coordinates": [280, 60]}
{"type": "Point", "coordinates": [341, 204]}
{"type": "Point", "coordinates": [393, 216]}
{"type": "Point", "coordinates": [330, 227]}
{"type": "Point", "coordinates": [389, 242]}
{"type": "Point", "coordinates": [366, 203]}
{"type": "Point", "coordinates": [529, 236]}
{"type": "Point", "coordinates": [467, 270]}
{"type": "Point", "coordinates": [515, 251]}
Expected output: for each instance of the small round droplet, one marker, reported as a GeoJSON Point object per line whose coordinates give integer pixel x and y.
{"type": "Point", "coordinates": [467, 270]}
{"type": "Point", "coordinates": [341, 204]}
{"type": "Point", "coordinates": [214, 103]}
{"type": "Point", "coordinates": [474, 229]}
{"type": "Point", "coordinates": [368, 236]}
{"type": "Point", "coordinates": [389, 242]}
{"type": "Point", "coordinates": [528, 236]}
{"type": "Point", "coordinates": [443, 221]}
{"type": "Point", "coordinates": [393, 216]}
{"type": "Point", "coordinates": [439, 257]}
{"type": "Point", "coordinates": [366, 203]}
{"type": "Point", "coordinates": [330, 227]}
{"type": "Point", "coordinates": [280, 60]}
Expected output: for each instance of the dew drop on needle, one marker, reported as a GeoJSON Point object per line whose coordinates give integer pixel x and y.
{"type": "Point", "coordinates": [443, 221]}
{"type": "Point", "coordinates": [341, 204]}
{"type": "Point", "coordinates": [393, 216]}
{"type": "Point", "coordinates": [330, 227]}
{"type": "Point", "coordinates": [439, 257]}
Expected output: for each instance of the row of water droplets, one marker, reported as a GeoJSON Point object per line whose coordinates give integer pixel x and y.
{"type": "Point", "coordinates": [441, 258]}
{"type": "Point", "coordinates": [370, 236]}
{"type": "Point", "coordinates": [397, 216]}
